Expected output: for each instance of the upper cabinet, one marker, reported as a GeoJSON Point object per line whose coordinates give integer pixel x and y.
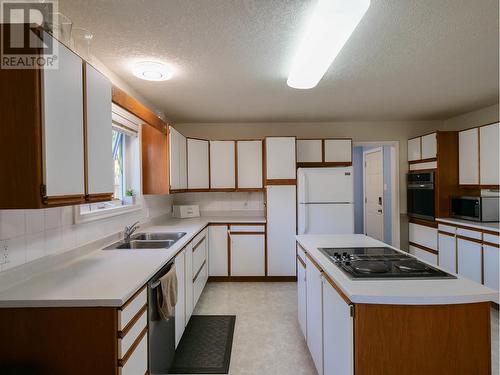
{"type": "Point", "coordinates": [422, 148]}
{"type": "Point", "coordinates": [414, 150]}
{"type": "Point", "coordinates": [222, 165]}
{"type": "Point", "coordinates": [178, 160]}
{"type": "Point", "coordinates": [155, 176]}
{"type": "Point", "coordinates": [56, 135]}
{"type": "Point", "coordinates": [280, 158]}
{"type": "Point", "coordinates": [338, 150]}
{"type": "Point", "coordinates": [197, 164]}
{"type": "Point", "coordinates": [249, 164]}
{"type": "Point", "coordinates": [309, 150]}
{"type": "Point", "coordinates": [479, 156]}
{"type": "Point", "coordinates": [324, 152]}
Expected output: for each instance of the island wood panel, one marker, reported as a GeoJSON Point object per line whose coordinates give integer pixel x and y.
{"type": "Point", "coordinates": [416, 340]}
{"type": "Point", "coordinates": [59, 341]}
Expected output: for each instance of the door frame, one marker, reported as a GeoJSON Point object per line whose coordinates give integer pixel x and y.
{"type": "Point", "coordinates": [372, 151]}
{"type": "Point", "coordinates": [395, 185]}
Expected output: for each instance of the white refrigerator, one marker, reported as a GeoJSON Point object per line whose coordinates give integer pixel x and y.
{"type": "Point", "coordinates": [325, 198]}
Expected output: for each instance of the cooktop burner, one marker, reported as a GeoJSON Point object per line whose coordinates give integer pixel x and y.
{"type": "Point", "coordinates": [381, 263]}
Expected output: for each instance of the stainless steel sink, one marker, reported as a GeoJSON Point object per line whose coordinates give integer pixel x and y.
{"type": "Point", "coordinates": [148, 241]}
{"type": "Point", "coordinates": [160, 236]}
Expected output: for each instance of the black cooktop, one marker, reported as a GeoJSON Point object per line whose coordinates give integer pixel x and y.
{"type": "Point", "coordinates": [366, 263]}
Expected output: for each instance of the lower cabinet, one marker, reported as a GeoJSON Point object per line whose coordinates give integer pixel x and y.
{"type": "Point", "coordinates": [314, 308]}
{"type": "Point", "coordinates": [301, 295]}
{"type": "Point", "coordinates": [137, 363]}
{"type": "Point", "coordinates": [188, 282]}
{"type": "Point", "coordinates": [199, 282]}
{"type": "Point", "coordinates": [491, 258]}
{"type": "Point", "coordinates": [217, 249]}
{"type": "Point", "coordinates": [447, 252]}
{"type": "Point", "coordinates": [426, 256]}
{"type": "Point", "coordinates": [180, 307]}
{"type": "Point", "coordinates": [247, 254]}
{"type": "Point", "coordinates": [469, 259]}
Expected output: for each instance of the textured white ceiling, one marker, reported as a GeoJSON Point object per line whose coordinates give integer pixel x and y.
{"type": "Point", "coordinates": [408, 59]}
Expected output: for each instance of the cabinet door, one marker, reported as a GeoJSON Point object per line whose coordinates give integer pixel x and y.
{"type": "Point", "coordinates": [426, 256]}
{"type": "Point", "coordinates": [309, 151]}
{"type": "Point", "coordinates": [301, 297]}
{"type": "Point", "coordinates": [468, 157]}
{"type": "Point", "coordinates": [491, 261]}
{"type": "Point", "coordinates": [247, 255]}
{"type": "Point", "coordinates": [280, 158]}
{"type": "Point", "coordinates": [447, 252]}
{"type": "Point", "coordinates": [155, 174]}
{"type": "Point", "coordinates": [175, 159]}
{"type": "Point", "coordinates": [180, 307]}
{"type": "Point", "coordinates": [281, 229]}
{"type": "Point", "coordinates": [429, 146]}
{"type": "Point", "coordinates": [222, 165]}
{"type": "Point", "coordinates": [489, 154]}
{"type": "Point", "coordinates": [414, 151]}
{"type": "Point", "coordinates": [197, 164]}
{"type": "Point", "coordinates": [338, 341]}
{"type": "Point", "coordinates": [338, 150]}
{"type": "Point", "coordinates": [182, 162]}
{"type": "Point", "coordinates": [217, 249]}
{"type": "Point", "coordinates": [99, 132]}
{"type": "Point", "coordinates": [423, 235]}
{"type": "Point", "coordinates": [249, 164]}
{"type": "Point", "coordinates": [63, 126]}
{"type": "Point", "coordinates": [469, 259]}
{"type": "Point", "coordinates": [188, 286]}
{"type": "Point", "coordinates": [314, 307]}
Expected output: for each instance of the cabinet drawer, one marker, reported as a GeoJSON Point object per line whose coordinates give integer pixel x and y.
{"type": "Point", "coordinates": [469, 233]}
{"type": "Point", "coordinates": [137, 363]}
{"type": "Point", "coordinates": [422, 235]}
{"type": "Point", "coordinates": [447, 228]}
{"type": "Point", "coordinates": [247, 228]}
{"type": "Point", "coordinates": [131, 308]}
{"type": "Point", "coordinates": [424, 255]}
{"type": "Point", "coordinates": [301, 253]}
{"type": "Point", "coordinates": [199, 254]}
{"type": "Point", "coordinates": [125, 342]}
{"type": "Point", "coordinates": [491, 238]}
{"type": "Point", "coordinates": [199, 282]}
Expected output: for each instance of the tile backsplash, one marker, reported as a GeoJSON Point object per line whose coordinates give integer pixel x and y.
{"type": "Point", "coordinates": [210, 203]}
{"type": "Point", "coordinates": [26, 235]}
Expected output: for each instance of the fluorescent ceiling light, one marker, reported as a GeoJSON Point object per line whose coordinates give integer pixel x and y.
{"type": "Point", "coordinates": [330, 26]}
{"type": "Point", "coordinates": [152, 71]}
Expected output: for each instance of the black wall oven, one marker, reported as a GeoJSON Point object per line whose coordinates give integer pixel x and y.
{"type": "Point", "coordinates": [420, 194]}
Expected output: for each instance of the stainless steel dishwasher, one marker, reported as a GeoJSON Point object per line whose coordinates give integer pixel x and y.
{"type": "Point", "coordinates": [161, 332]}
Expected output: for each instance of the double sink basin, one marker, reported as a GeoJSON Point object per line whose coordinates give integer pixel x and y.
{"type": "Point", "coordinates": [160, 240]}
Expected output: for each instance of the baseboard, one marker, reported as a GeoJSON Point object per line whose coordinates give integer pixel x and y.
{"type": "Point", "coordinates": [252, 278]}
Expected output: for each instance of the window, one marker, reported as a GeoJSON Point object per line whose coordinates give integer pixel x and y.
{"type": "Point", "coordinates": [119, 165]}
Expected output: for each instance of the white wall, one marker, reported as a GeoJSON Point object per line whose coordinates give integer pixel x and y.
{"type": "Point", "coordinates": [482, 116]}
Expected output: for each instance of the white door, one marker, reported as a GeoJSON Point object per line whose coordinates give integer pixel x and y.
{"type": "Point", "coordinates": [197, 163]}
{"type": "Point", "coordinates": [429, 146]}
{"type": "Point", "coordinates": [301, 296]}
{"type": "Point", "coordinates": [489, 154]}
{"type": "Point", "coordinates": [180, 307]}
{"type": "Point", "coordinates": [338, 326]}
{"type": "Point", "coordinates": [468, 157]}
{"type": "Point", "coordinates": [374, 193]}
{"type": "Point", "coordinates": [222, 165]}
{"type": "Point", "coordinates": [309, 151]}
{"type": "Point", "coordinates": [280, 158]}
{"type": "Point", "coordinates": [447, 252]}
{"type": "Point", "coordinates": [314, 297]}
{"type": "Point", "coordinates": [63, 126]}
{"type": "Point", "coordinates": [338, 150]}
{"type": "Point", "coordinates": [332, 218]}
{"type": "Point", "coordinates": [249, 164]}
{"type": "Point", "coordinates": [469, 259]}
{"type": "Point", "coordinates": [99, 132]}
{"type": "Point", "coordinates": [189, 281]}
{"type": "Point", "coordinates": [217, 248]}
{"type": "Point", "coordinates": [281, 230]}
{"type": "Point", "coordinates": [325, 185]}
{"type": "Point", "coordinates": [247, 254]}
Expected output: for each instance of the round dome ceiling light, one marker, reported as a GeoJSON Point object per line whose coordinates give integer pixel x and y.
{"type": "Point", "coordinates": [152, 71]}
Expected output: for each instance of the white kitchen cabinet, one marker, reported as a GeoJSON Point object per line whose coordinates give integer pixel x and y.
{"type": "Point", "coordinates": [423, 235]}
{"type": "Point", "coordinates": [414, 149]}
{"type": "Point", "coordinates": [199, 283]}
{"type": "Point", "coordinates": [426, 256]}
{"type": "Point", "coordinates": [248, 254]}
{"type": "Point", "coordinates": [489, 139]}
{"type": "Point", "coordinates": [280, 158]}
{"type": "Point", "coordinates": [469, 259]}
{"type": "Point", "coordinates": [217, 248]}
{"type": "Point", "coordinates": [338, 150]}
{"type": "Point", "coordinates": [491, 263]}
{"type": "Point", "coordinates": [100, 172]}
{"type": "Point", "coordinates": [188, 286]}
{"type": "Point", "coordinates": [468, 157]}
{"type": "Point", "coordinates": [249, 164]}
{"type": "Point", "coordinates": [222, 165]}
{"type": "Point", "coordinates": [309, 151]}
{"type": "Point", "coordinates": [314, 305]}
{"type": "Point", "coordinates": [180, 307]}
{"type": "Point", "coordinates": [178, 171]}
{"type": "Point", "coordinates": [63, 126]}
{"type": "Point", "coordinates": [447, 252]}
{"type": "Point", "coordinates": [281, 228]}
{"type": "Point", "coordinates": [429, 146]}
{"type": "Point", "coordinates": [338, 334]}
{"type": "Point", "coordinates": [137, 363]}
{"type": "Point", "coordinates": [301, 296]}
{"type": "Point", "coordinates": [183, 162]}
{"type": "Point", "coordinates": [197, 164]}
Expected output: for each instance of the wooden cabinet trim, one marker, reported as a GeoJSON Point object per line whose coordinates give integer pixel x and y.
{"type": "Point", "coordinates": [313, 261]}
{"type": "Point", "coordinates": [137, 341]}
{"type": "Point", "coordinates": [64, 200]}
{"type": "Point", "coordinates": [101, 197]}
{"type": "Point", "coordinates": [425, 223]}
{"type": "Point", "coordinates": [425, 248]}
{"type": "Point", "coordinates": [301, 261]}
{"type": "Point", "coordinates": [128, 327]}
{"type": "Point", "coordinates": [247, 233]}
{"type": "Point", "coordinates": [281, 181]}
{"type": "Point", "coordinates": [323, 164]}
{"type": "Point", "coordinates": [491, 244]}
{"type": "Point", "coordinates": [428, 160]}
{"type": "Point", "coordinates": [337, 289]}
{"type": "Point", "coordinates": [198, 272]}
{"type": "Point", "coordinates": [446, 233]}
{"type": "Point", "coordinates": [132, 298]}
{"type": "Point", "coordinates": [460, 237]}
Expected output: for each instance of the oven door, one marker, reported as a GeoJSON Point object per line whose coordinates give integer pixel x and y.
{"type": "Point", "coordinates": [421, 202]}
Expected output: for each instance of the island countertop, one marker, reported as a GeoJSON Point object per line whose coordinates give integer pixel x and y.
{"type": "Point", "coordinates": [400, 292]}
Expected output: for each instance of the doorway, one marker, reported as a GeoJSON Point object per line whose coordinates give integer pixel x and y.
{"type": "Point", "coordinates": [373, 177]}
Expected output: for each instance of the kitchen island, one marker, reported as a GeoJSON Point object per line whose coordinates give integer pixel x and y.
{"type": "Point", "coordinates": [384, 326]}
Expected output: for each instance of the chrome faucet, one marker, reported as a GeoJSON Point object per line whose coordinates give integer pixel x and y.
{"type": "Point", "coordinates": [129, 230]}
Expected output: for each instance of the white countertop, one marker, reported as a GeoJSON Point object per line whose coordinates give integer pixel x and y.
{"type": "Point", "coordinates": [401, 292]}
{"type": "Point", "coordinates": [106, 277]}
{"type": "Point", "coordinates": [468, 223]}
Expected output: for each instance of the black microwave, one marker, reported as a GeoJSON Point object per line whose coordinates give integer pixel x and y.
{"type": "Point", "coordinates": [483, 209]}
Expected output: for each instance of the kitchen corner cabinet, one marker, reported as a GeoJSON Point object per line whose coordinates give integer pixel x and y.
{"type": "Point", "coordinates": [178, 157]}
{"type": "Point", "coordinates": [249, 164]}
{"type": "Point", "coordinates": [197, 164]}
{"type": "Point", "coordinates": [42, 134]}
{"type": "Point", "coordinates": [155, 164]}
{"type": "Point", "coordinates": [247, 254]}
{"type": "Point", "coordinates": [217, 250]}
{"type": "Point", "coordinates": [222, 165]}
{"type": "Point", "coordinates": [280, 158]}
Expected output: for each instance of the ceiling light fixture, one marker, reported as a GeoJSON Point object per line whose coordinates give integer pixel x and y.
{"type": "Point", "coordinates": [330, 26]}
{"type": "Point", "coordinates": [152, 71]}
